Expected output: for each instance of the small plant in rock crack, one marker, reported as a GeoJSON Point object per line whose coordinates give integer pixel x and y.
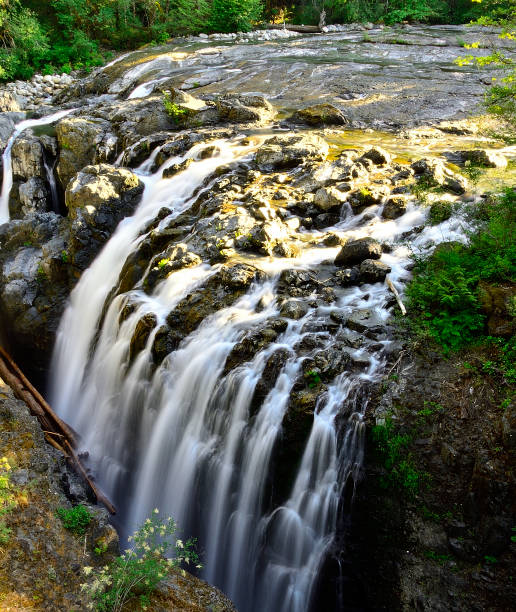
{"type": "Point", "coordinates": [137, 573]}
{"type": "Point", "coordinates": [75, 519]}
{"type": "Point", "coordinates": [177, 113]}
{"type": "Point", "coordinates": [313, 378]}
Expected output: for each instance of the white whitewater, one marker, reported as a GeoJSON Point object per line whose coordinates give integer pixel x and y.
{"type": "Point", "coordinates": [6, 157]}
{"type": "Point", "coordinates": [185, 437]}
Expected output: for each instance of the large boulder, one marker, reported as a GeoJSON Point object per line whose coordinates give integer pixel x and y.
{"type": "Point", "coordinates": [329, 197]}
{"type": "Point", "coordinates": [33, 196]}
{"type": "Point", "coordinates": [290, 150]}
{"type": "Point", "coordinates": [373, 271]}
{"type": "Point", "coordinates": [479, 157]}
{"type": "Point", "coordinates": [98, 198]}
{"type": "Point", "coordinates": [244, 109]}
{"type": "Point", "coordinates": [377, 155]}
{"type": "Point", "coordinates": [82, 141]}
{"type": "Point", "coordinates": [356, 251]}
{"type": "Point", "coordinates": [321, 114]}
{"type": "Point", "coordinates": [27, 158]}
{"type": "Point", "coordinates": [435, 173]}
{"type": "Point", "coordinates": [34, 285]}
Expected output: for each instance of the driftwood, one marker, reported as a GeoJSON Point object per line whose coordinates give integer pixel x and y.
{"type": "Point", "coordinates": [397, 296]}
{"type": "Point", "coordinates": [57, 433]}
{"type": "Point", "coordinates": [302, 29]}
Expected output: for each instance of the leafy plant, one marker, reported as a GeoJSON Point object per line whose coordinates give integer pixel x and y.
{"type": "Point", "coordinates": [391, 448]}
{"type": "Point", "coordinates": [443, 296]}
{"type": "Point", "coordinates": [178, 113]}
{"type": "Point", "coordinates": [234, 15]}
{"type": "Point", "coordinates": [137, 573]}
{"type": "Point", "coordinates": [7, 499]}
{"type": "Point", "coordinates": [75, 519]}
{"type": "Point", "coordinates": [313, 378]}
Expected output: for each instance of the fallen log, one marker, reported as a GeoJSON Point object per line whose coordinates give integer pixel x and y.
{"type": "Point", "coordinates": [302, 29]}
{"type": "Point", "coordinates": [59, 424]}
{"type": "Point", "coordinates": [397, 296]}
{"type": "Point", "coordinates": [53, 427]}
{"type": "Point", "coordinates": [101, 498]}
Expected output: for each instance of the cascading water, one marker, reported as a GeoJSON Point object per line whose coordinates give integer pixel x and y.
{"type": "Point", "coordinates": [6, 157]}
{"type": "Point", "coordinates": [186, 437]}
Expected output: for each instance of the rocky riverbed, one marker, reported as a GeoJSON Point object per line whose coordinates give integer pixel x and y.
{"type": "Point", "coordinates": [291, 179]}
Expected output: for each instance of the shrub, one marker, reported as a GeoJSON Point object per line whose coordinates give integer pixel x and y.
{"type": "Point", "coordinates": [137, 572]}
{"type": "Point", "coordinates": [75, 519]}
{"type": "Point", "coordinates": [7, 500]}
{"type": "Point", "coordinates": [443, 296]}
{"type": "Point", "coordinates": [391, 448]}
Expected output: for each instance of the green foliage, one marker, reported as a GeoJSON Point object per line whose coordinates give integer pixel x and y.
{"type": "Point", "coordinates": [442, 559]}
{"type": "Point", "coordinates": [414, 10]}
{"type": "Point", "coordinates": [392, 450]}
{"type": "Point", "coordinates": [75, 519]}
{"type": "Point", "coordinates": [313, 378]}
{"type": "Point", "coordinates": [443, 296]}
{"type": "Point", "coordinates": [7, 499]}
{"type": "Point", "coordinates": [440, 211]}
{"type": "Point", "coordinates": [234, 15]}
{"type": "Point", "coordinates": [137, 573]}
{"type": "Point", "coordinates": [177, 113]}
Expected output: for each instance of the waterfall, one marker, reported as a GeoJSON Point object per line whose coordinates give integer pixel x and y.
{"type": "Point", "coordinates": [51, 180]}
{"type": "Point", "coordinates": [185, 436]}
{"type": "Point", "coordinates": [6, 157]}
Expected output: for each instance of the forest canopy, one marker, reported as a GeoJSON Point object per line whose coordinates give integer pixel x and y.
{"type": "Point", "coordinates": [62, 35]}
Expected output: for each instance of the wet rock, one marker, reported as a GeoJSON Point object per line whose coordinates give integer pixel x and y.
{"type": "Point", "coordinates": [320, 114]}
{"type": "Point", "coordinates": [174, 258]}
{"type": "Point", "coordinates": [9, 102]}
{"type": "Point", "coordinates": [348, 276]}
{"type": "Point", "coordinates": [265, 238]}
{"type": "Point", "coordinates": [379, 156]}
{"type": "Point", "coordinates": [80, 140]}
{"type": "Point", "coordinates": [244, 109]}
{"type": "Point", "coordinates": [296, 278]}
{"type": "Point", "coordinates": [27, 158]}
{"type": "Point", "coordinates": [435, 173]}
{"type": "Point", "coordinates": [294, 309]}
{"type": "Point", "coordinates": [363, 320]}
{"type": "Point", "coordinates": [368, 196]}
{"type": "Point", "coordinates": [508, 422]}
{"type": "Point", "coordinates": [289, 151]}
{"type": "Point", "coordinates": [394, 207]}
{"type": "Point", "coordinates": [273, 367]}
{"type": "Point", "coordinates": [97, 199]}
{"type": "Point", "coordinates": [479, 157]}
{"type": "Point", "coordinates": [497, 303]}
{"type": "Point", "coordinates": [239, 275]}
{"type": "Point", "coordinates": [175, 168]}
{"type": "Point", "coordinates": [328, 362]}
{"type": "Point", "coordinates": [137, 118]}
{"type": "Point", "coordinates": [327, 198]}
{"type": "Point", "coordinates": [331, 239]}
{"type": "Point", "coordinates": [326, 220]}
{"type": "Point", "coordinates": [34, 285]}
{"type": "Point", "coordinates": [141, 334]}
{"type": "Point", "coordinates": [34, 196]}
{"type": "Point", "coordinates": [356, 251]}
{"type": "Point", "coordinates": [372, 271]}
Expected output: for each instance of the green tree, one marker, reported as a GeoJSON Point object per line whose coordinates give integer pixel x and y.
{"type": "Point", "coordinates": [234, 15]}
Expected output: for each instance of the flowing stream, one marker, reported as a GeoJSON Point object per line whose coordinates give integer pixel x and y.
{"type": "Point", "coordinates": [185, 437]}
